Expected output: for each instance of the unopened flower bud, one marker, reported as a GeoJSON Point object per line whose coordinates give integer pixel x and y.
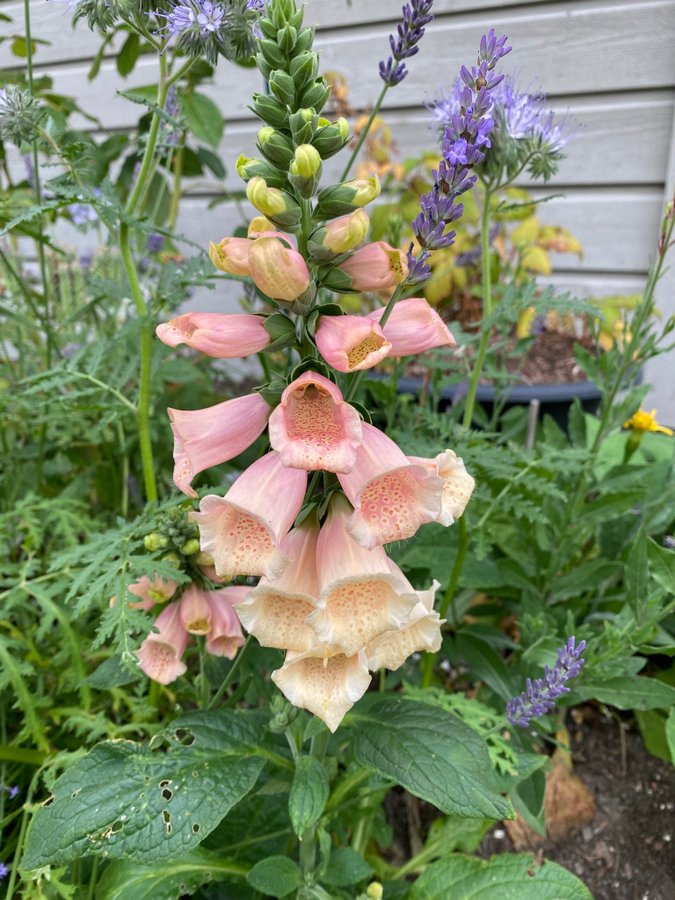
{"type": "Point", "coordinates": [374, 891]}
{"type": "Point", "coordinates": [282, 86]}
{"type": "Point", "coordinates": [316, 95]}
{"type": "Point", "coordinates": [275, 146]}
{"type": "Point", "coordinates": [204, 559]}
{"type": "Point", "coordinates": [339, 236]}
{"type": "Point", "coordinates": [279, 271]}
{"type": "Point", "coordinates": [172, 558]}
{"type": "Point", "coordinates": [286, 38]}
{"type": "Point", "coordinates": [231, 254]}
{"type": "Point", "coordinates": [305, 170]}
{"type": "Point", "coordinates": [270, 110]}
{"type": "Point", "coordinates": [341, 199]}
{"type": "Point", "coordinates": [190, 547]}
{"type": "Point", "coordinates": [303, 69]}
{"type": "Point", "coordinates": [259, 226]}
{"type": "Point", "coordinates": [248, 167]}
{"type": "Point", "coordinates": [154, 541]}
{"type": "Point", "coordinates": [303, 124]}
{"type": "Point", "coordinates": [277, 205]}
{"type": "Point", "coordinates": [330, 138]}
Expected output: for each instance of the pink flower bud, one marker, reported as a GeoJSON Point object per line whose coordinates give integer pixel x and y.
{"type": "Point", "coordinates": [413, 327]}
{"type": "Point", "coordinates": [279, 272]}
{"type": "Point", "coordinates": [313, 427]}
{"type": "Point", "coordinates": [151, 591]}
{"type": "Point", "coordinates": [231, 255]}
{"type": "Point", "coordinates": [215, 334]}
{"type": "Point", "coordinates": [346, 232]}
{"type": "Point", "coordinates": [350, 343]}
{"type": "Point", "coordinates": [376, 267]}
{"type": "Point", "coordinates": [208, 437]}
{"type": "Point", "coordinates": [391, 496]}
{"type": "Point", "coordinates": [160, 654]}
{"type": "Point", "coordinates": [243, 531]}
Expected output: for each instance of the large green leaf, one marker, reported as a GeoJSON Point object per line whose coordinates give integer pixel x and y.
{"type": "Point", "coordinates": [275, 876]}
{"type": "Point", "coordinates": [126, 800]}
{"type": "Point", "coordinates": [431, 753]}
{"type": "Point", "coordinates": [309, 793]}
{"type": "Point", "coordinates": [126, 880]}
{"type": "Point", "coordinates": [204, 119]}
{"type": "Point", "coordinates": [512, 876]}
{"type": "Point", "coordinates": [628, 692]}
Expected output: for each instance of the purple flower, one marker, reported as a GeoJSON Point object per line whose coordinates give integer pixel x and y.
{"type": "Point", "coordinates": [255, 6]}
{"type": "Point", "coordinates": [81, 213]}
{"type": "Point", "coordinates": [200, 16]}
{"type": "Point", "coordinates": [523, 115]}
{"type": "Point", "coordinates": [540, 696]}
{"type": "Point", "coordinates": [154, 243]}
{"type": "Point", "coordinates": [4, 871]}
{"type": "Point", "coordinates": [416, 15]}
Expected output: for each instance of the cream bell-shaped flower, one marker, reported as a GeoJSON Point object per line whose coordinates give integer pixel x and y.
{"type": "Point", "coordinates": [219, 335]}
{"type": "Point", "coordinates": [458, 485]}
{"type": "Point", "coordinates": [421, 634]}
{"type": "Point", "coordinates": [243, 531]}
{"type": "Point", "coordinates": [376, 267]}
{"type": "Point", "coordinates": [225, 635]}
{"type": "Point", "coordinates": [159, 655]}
{"type": "Point", "coordinates": [195, 610]}
{"type": "Point", "coordinates": [413, 327]}
{"type": "Point", "coordinates": [274, 612]}
{"type": "Point", "coordinates": [391, 496]}
{"type": "Point", "coordinates": [363, 594]}
{"type": "Point", "coordinates": [350, 343]}
{"type": "Point", "coordinates": [279, 271]}
{"type": "Point", "coordinates": [207, 437]}
{"type": "Point", "coordinates": [231, 255]}
{"type": "Point", "coordinates": [325, 682]}
{"type": "Point", "coordinates": [313, 427]}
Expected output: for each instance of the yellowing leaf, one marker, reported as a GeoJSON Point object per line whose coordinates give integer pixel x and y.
{"type": "Point", "coordinates": [527, 232]}
{"type": "Point", "coordinates": [536, 260]}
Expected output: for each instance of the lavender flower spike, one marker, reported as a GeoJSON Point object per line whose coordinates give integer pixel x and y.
{"type": "Point", "coordinates": [540, 697]}
{"type": "Point", "coordinates": [416, 15]}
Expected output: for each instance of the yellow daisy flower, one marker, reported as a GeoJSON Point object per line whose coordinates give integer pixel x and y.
{"type": "Point", "coordinates": [646, 421]}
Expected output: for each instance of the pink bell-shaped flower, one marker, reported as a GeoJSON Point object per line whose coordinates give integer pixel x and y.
{"type": "Point", "coordinates": [376, 267]}
{"type": "Point", "coordinates": [216, 334]}
{"type": "Point", "coordinates": [150, 591]}
{"type": "Point", "coordinates": [391, 496]}
{"type": "Point", "coordinates": [243, 531]}
{"type": "Point", "coordinates": [275, 611]}
{"type": "Point", "coordinates": [195, 610]}
{"type": "Point", "coordinates": [363, 594]}
{"type": "Point", "coordinates": [421, 634]}
{"type": "Point", "coordinates": [350, 343]}
{"type": "Point", "coordinates": [458, 485]}
{"type": "Point", "coordinates": [324, 682]}
{"type": "Point", "coordinates": [279, 271]}
{"type": "Point", "coordinates": [160, 653]}
{"type": "Point", "coordinates": [413, 327]}
{"type": "Point", "coordinates": [225, 636]}
{"type": "Point", "coordinates": [208, 437]}
{"type": "Point", "coordinates": [313, 427]}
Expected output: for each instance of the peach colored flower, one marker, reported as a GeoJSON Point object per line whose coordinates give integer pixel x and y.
{"type": "Point", "coordinates": [208, 437]}
{"type": "Point", "coordinates": [231, 255]}
{"type": "Point", "coordinates": [350, 343]}
{"type": "Point", "coordinates": [376, 267]}
{"type": "Point", "coordinates": [160, 653]}
{"type": "Point", "coordinates": [279, 271]}
{"type": "Point", "coordinates": [225, 636]}
{"type": "Point", "coordinates": [195, 610]}
{"type": "Point", "coordinates": [218, 335]}
{"type": "Point", "coordinates": [150, 591]}
{"type": "Point", "coordinates": [275, 611]}
{"type": "Point", "coordinates": [421, 634]}
{"type": "Point", "coordinates": [391, 496]}
{"type": "Point", "coordinates": [313, 427]}
{"type": "Point", "coordinates": [243, 531]}
{"type": "Point", "coordinates": [413, 327]}
{"type": "Point", "coordinates": [458, 485]}
{"type": "Point", "coordinates": [326, 683]}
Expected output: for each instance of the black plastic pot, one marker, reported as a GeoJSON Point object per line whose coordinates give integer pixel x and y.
{"type": "Point", "coordinates": [555, 399]}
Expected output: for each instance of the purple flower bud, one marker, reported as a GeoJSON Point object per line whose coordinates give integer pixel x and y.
{"type": "Point", "coordinates": [154, 243]}
{"type": "Point", "coordinates": [4, 871]}
{"type": "Point", "coordinates": [416, 15]}
{"type": "Point", "coordinates": [540, 696]}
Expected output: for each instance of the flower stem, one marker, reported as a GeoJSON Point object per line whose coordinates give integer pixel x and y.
{"type": "Point", "coordinates": [487, 309]}
{"type": "Point", "coordinates": [364, 133]}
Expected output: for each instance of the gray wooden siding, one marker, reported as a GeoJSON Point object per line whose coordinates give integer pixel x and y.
{"type": "Point", "coordinates": [610, 64]}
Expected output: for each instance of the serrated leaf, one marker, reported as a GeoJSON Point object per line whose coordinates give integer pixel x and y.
{"type": "Point", "coordinates": [429, 752]}
{"type": "Point", "coordinates": [125, 800]}
{"type": "Point", "coordinates": [512, 876]}
{"type": "Point", "coordinates": [309, 793]}
{"type": "Point", "coordinates": [125, 880]}
{"type": "Point", "coordinates": [275, 876]}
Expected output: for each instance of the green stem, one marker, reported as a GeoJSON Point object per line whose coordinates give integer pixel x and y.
{"type": "Point", "coordinates": [487, 309]}
{"type": "Point", "coordinates": [204, 688]}
{"type": "Point", "coordinates": [177, 176]}
{"type": "Point", "coordinates": [364, 133]}
{"type": "Point", "coordinates": [228, 678]}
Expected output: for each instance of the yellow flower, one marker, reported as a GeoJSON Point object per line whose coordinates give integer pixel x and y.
{"type": "Point", "coordinates": [642, 421]}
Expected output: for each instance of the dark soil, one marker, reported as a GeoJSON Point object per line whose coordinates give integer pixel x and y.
{"type": "Point", "coordinates": [627, 851]}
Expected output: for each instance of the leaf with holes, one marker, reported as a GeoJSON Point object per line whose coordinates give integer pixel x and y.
{"type": "Point", "coordinates": [430, 753]}
{"type": "Point", "coordinates": [125, 800]}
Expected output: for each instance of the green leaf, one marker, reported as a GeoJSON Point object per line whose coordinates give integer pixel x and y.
{"type": "Point", "coordinates": [652, 724]}
{"type": "Point", "coordinates": [113, 673]}
{"type": "Point", "coordinates": [309, 793]}
{"type": "Point", "coordinates": [609, 505]}
{"type": "Point", "coordinates": [584, 578]}
{"type": "Point", "coordinates": [346, 867]}
{"type": "Point", "coordinates": [431, 753]}
{"type": "Point", "coordinates": [125, 800]}
{"type": "Point", "coordinates": [485, 663]}
{"type": "Point", "coordinates": [212, 161]}
{"type": "Point", "coordinates": [204, 119]}
{"type": "Point", "coordinates": [125, 880]}
{"type": "Point", "coordinates": [637, 574]}
{"type": "Point", "coordinates": [513, 876]}
{"type": "Point", "coordinates": [628, 692]}
{"type": "Point", "coordinates": [528, 799]}
{"type": "Point", "coordinates": [275, 876]}
{"type": "Point", "coordinates": [128, 55]}
{"type": "Point", "coordinates": [662, 562]}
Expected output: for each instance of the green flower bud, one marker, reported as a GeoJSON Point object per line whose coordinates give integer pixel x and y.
{"type": "Point", "coordinates": [272, 54]}
{"type": "Point", "coordinates": [306, 161]}
{"type": "Point", "coordinates": [286, 38]}
{"type": "Point", "coordinates": [270, 110]}
{"type": "Point", "coordinates": [171, 558]}
{"type": "Point", "coordinates": [248, 167]}
{"type": "Point", "coordinates": [331, 137]}
{"type": "Point", "coordinates": [304, 41]}
{"type": "Point", "coordinates": [277, 205]}
{"type": "Point", "coordinates": [341, 199]}
{"type": "Point", "coordinates": [303, 124]}
{"type": "Point", "coordinates": [303, 68]}
{"type": "Point", "coordinates": [154, 541]}
{"type": "Point", "coordinates": [282, 86]}
{"type": "Point", "coordinates": [190, 547]}
{"type": "Point", "coordinates": [339, 236]}
{"type": "Point", "coordinates": [316, 95]}
{"type": "Point", "coordinates": [275, 146]}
